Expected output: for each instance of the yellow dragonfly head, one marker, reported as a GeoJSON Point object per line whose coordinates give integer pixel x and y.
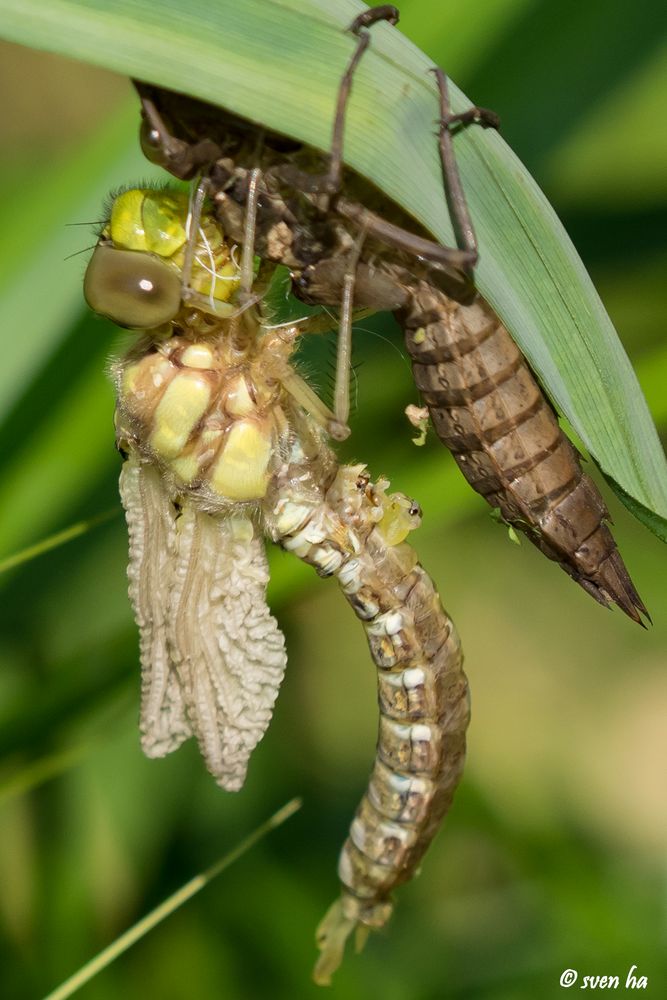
{"type": "Point", "coordinates": [135, 276]}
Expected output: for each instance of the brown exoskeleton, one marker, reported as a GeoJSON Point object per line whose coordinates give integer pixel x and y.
{"type": "Point", "coordinates": [346, 248]}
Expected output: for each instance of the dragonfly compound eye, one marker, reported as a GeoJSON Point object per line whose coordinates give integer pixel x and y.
{"type": "Point", "coordinates": [151, 146]}
{"type": "Point", "coordinates": [132, 288]}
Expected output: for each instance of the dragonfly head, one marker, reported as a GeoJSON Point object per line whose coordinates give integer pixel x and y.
{"type": "Point", "coordinates": [135, 276]}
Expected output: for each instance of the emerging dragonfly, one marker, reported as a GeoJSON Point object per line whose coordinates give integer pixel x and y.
{"type": "Point", "coordinates": [484, 402]}
{"type": "Point", "coordinates": [223, 443]}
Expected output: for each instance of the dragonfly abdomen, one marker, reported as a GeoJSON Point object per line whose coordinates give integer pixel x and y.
{"type": "Point", "coordinates": [488, 409]}
{"type": "Point", "coordinates": [424, 714]}
{"type": "Point", "coordinates": [355, 532]}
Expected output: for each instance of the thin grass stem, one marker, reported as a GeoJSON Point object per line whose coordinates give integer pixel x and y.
{"type": "Point", "coordinates": [166, 908]}
{"type": "Point", "coordinates": [54, 541]}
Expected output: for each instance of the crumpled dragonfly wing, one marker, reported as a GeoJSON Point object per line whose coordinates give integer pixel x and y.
{"type": "Point", "coordinates": [226, 646]}
{"type": "Point", "coordinates": [212, 655]}
{"type": "Point", "coordinates": [151, 521]}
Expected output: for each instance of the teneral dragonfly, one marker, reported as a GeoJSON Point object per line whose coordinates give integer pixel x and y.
{"type": "Point", "coordinates": [342, 244]}
{"type": "Point", "coordinates": [224, 445]}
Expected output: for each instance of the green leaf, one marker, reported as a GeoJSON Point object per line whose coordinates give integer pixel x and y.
{"type": "Point", "coordinates": [253, 58]}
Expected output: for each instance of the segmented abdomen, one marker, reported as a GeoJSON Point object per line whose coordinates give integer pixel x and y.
{"type": "Point", "coordinates": [490, 412]}
{"type": "Point", "coordinates": [353, 533]}
{"type": "Point", "coordinates": [424, 714]}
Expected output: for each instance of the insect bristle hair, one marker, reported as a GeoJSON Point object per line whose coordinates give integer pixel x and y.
{"type": "Point", "coordinates": [148, 184]}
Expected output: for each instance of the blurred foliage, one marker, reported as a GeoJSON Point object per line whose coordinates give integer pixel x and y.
{"type": "Point", "coordinates": [553, 855]}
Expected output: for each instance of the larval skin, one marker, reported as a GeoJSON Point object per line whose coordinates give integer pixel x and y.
{"type": "Point", "coordinates": [488, 409]}
{"type": "Point", "coordinates": [485, 404]}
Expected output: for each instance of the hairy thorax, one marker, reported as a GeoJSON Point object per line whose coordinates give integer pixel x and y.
{"type": "Point", "coordinates": [210, 414]}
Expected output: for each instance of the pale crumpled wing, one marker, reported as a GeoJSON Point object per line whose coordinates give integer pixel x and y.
{"type": "Point", "coordinates": [225, 645]}
{"type": "Point", "coordinates": [212, 655]}
{"type": "Point", "coordinates": [151, 521]}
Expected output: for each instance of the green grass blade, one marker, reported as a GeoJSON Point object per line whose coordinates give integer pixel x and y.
{"type": "Point", "coordinates": [56, 540]}
{"type": "Point", "coordinates": [40, 771]}
{"type": "Point", "coordinates": [172, 903]}
{"type": "Point", "coordinates": [254, 57]}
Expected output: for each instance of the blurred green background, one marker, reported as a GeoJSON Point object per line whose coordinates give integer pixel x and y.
{"type": "Point", "coordinates": [553, 856]}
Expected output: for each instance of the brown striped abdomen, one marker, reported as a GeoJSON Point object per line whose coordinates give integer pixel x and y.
{"type": "Point", "coordinates": [488, 409]}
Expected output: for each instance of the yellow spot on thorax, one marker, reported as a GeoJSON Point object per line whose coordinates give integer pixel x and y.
{"type": "Point", "coordinates": [185, 468]}
{"type": "Point", "coordinates": [131, 378]}
{"type": "Point", "coordinates": [241, 470]}
{"type": "Point", "coordinates": [197, 356]}
{"type": "Point", "coordinates": [142, 384]}
{"type": "Point", "coordinates": [182, 406]}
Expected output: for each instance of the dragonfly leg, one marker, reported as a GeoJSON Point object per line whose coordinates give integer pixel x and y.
{"type": "Point", "coordinates": [306, 397]}
{"type": "Point", "coordinates": [331, 181]}
{"type": "Point", "coordinates": [195, 236]}
{"type": "Point", "coordinates": [334, 422]}
{"type": "Point", "coordinates": [192, 231]}
{"type": "Point", "coordinates": [402, 239]}
{"type": "Point", "coordinates": [344, 342]}
{"type": "Point", "coordinates": [456, 199]}
{"type": "Point", "coordinates": [250, 232]}
{"type": "Point", "coordinates": [367, 18]}
{"type": "Point", "coordinates": [340, 286]}
{"type": "Point", "coordinates": [244, 329]}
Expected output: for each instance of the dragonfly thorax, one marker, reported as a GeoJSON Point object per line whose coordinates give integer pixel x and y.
{"type": "Point", "coordinates": [217, 425]}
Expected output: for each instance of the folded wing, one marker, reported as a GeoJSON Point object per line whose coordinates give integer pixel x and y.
{"type": "Point", "coordinates": [212, 654]}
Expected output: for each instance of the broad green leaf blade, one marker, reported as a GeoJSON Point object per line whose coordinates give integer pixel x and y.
{"type": "Point", "coordinates": [657, 524]}
{"type": "Point", "coordinates": [253, 58]}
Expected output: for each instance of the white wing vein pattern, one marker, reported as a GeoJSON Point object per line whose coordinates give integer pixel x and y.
{"type": "Point", "coordinates": [212, 655]}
